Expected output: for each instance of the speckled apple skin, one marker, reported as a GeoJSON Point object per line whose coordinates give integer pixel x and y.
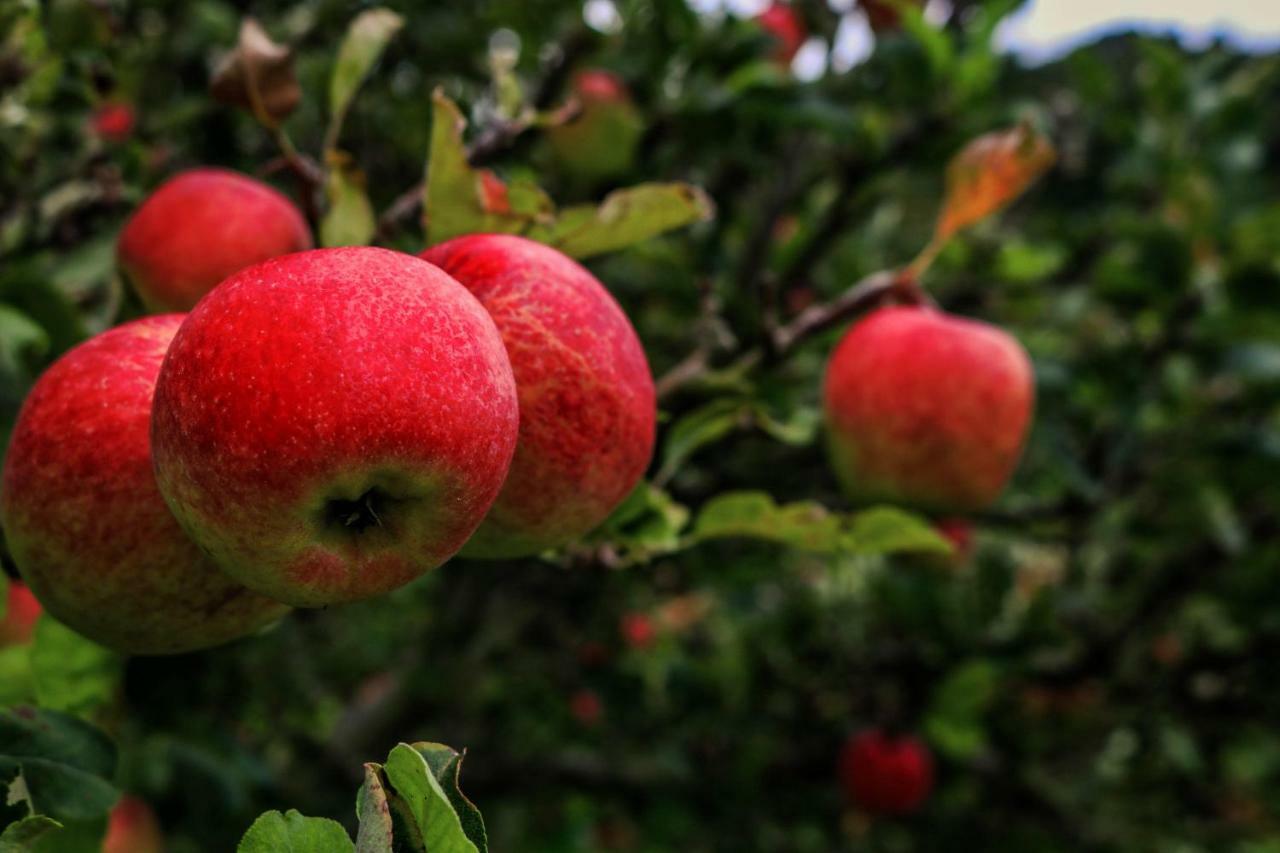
{"type": "Point", "coordinates": [315, 378]}
{"type": "Point", "coordinates": [200, 227]}
{"type": "Point", "coordinates": [587, 406]}
{"type": "Point", "coordinates": [85, 522]}
{"type": "Point", "coordinates": [927, 409]}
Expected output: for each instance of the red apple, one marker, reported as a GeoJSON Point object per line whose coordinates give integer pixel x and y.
{"type": "Point", "coordinates": [586, 707]}
{"type": "Point", "coordinates": [113, 121]}
{"type": "Point", "coordinates": [884, 774]}
{"type": "Point", "coordinates": [927, 409]}
{"type": "Point", "coordinates": [601, 141]}
{"type": "Point", "coordinates": [20, 615]}
{"type": "Point", "coordinates": [132, 828]}
{"type": "Point", "coordinates": [330, 425]}
{"type": "Point", "coordinates": [587, 409]}
{"type": "Point", "coordinates": [886, 15]}
{"type": "Point", "coordinates": [787, 28]}
{"type": "Point", "coordinates": [493, 193]}
{"type": "Point", "coordinates": [200, 227]}
{"type": "Point", "coordinates": [83, 517]}
{"type": "Point", "coordinates": [637, 630]}
{"type": "Point", "coordinates": [959, 532]}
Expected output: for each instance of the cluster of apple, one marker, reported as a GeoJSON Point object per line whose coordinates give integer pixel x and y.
{"type": "Point", "coordinates": [323, 426]}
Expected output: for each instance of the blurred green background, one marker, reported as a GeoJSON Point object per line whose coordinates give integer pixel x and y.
{"type": "Point", "coordinates": [1094, 677]}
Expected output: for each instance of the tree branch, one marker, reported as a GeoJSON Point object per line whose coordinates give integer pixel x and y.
{"type": "Point", "coordinates": [501, 135]}
{"type": "Point", "coordinates": [862, 295]}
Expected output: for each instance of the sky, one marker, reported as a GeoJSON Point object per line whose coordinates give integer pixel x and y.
{"type": "Point", "coordinates": [1047, 29]}
{"type": "Point", "coordinates": [1042, 30]}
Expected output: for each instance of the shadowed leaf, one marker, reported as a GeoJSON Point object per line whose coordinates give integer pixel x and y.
{"type": "Point", "coordinates": [63, 763]}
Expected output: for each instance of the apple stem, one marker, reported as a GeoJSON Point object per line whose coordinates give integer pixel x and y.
{"type": "Point", "coordinates": [356, 515]}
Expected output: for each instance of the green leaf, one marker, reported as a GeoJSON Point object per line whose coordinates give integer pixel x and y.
{"type": "Point", "coordinates": [28, 287]}
{"type": "Point", "coordinates": [446, 764]}
{"type": "Point", "coordinates": [935, 41]}
{"type": "Point", "coordinates": [461, 200]}
{"type": "Point", "coordinates": [62, 762]}
{"type": "Point", "coordinates": [701, 427]}
{"type": "Point", "coordinates": [452, 204]}
{"type": "Point", "coordinates": [428, 804]}
{"type": "Point", "coordinates": [82, 836]}
{"type": "Point", "coordinates": [292, 832]}
{"type": "Point", "coordinates": [798, 430]}
{"type": "Point", "coordinates": [367, 37]}
{"type": "Point", "coordinates": [376, 833]}
{"type": "Point", "coordinates": [805, 525]}
{"type": "Point", "coordinates": [72, 673]}
{"type": "Point", "coordinates": [16, 684]}
{"type": "Point", "coordinates": [809, 526]}
{"type": "Point", "coordinates": [21, 836]}
{"type": "Point", "coordinates": [22, 344]}
{"type": "Point", "coordinates": [886, 529]}
{"type": "Point", "coordinates": [348, 219]}
{"type": "Point", "coordinates": [647, 523]}
{"type": "Point", "coordinates": [954, 722]}
{"type": "Point", "coordinates": [627, 217]}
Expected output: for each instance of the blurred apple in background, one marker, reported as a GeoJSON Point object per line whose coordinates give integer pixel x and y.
{"type": "Point", "coordinates": [20, 615]}
{"type": "Point", "coordinates": [133, 828]}
{"type": "Point", "coordinates": [601, 141]}
{"type": "Point", "coordinates": [886, 774]}
{"type": "Point", "coordinates": [198, 228]}
{"type": "Point", "coordinates": [113, 121]}
{"type": "Point", "coordinates": [787, 28]}
{"type": "Point", "coordinates": [927, 409]}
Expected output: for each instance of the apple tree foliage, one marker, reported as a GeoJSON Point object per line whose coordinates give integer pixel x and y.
{"type": "Point", "coordinates": [1092, 675]}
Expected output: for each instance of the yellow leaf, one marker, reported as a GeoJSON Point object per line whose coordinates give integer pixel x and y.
{"type": "Point", "coordinates": [990, 172]}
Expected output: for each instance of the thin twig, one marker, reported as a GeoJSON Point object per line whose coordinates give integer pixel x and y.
{"type": "Point", "coordinates": [862, 295]}
{"type": "Point", "coordinates": [499, 136]}
{"type": "Point", "coordinates": [817, 318]}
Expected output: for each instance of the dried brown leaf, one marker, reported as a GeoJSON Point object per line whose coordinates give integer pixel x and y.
{"type": "Point", "coordinates": [258, 76]}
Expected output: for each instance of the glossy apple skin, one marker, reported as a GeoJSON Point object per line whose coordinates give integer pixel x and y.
{"type": "Point", "coordinates": [332, 424]}
{"type": "Point", "coordinates": [602, 140]}
{"type": "Point", "coordinates": [587, 406]}
{"type": "Point", "coordinates": [201, 226]}
{"type": "Point", "coordinates": [85, 522]}
{"type": "Point", "coordinates": [886, 775]}
{"type": "Point", "coordinates": [20, 615]}
{"type": "Point", "coordinates": [927, 409]}
{"type": "Point", "coordinates": [132, 828]}
{"type": "Point", "coordinates": [787, 28]}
